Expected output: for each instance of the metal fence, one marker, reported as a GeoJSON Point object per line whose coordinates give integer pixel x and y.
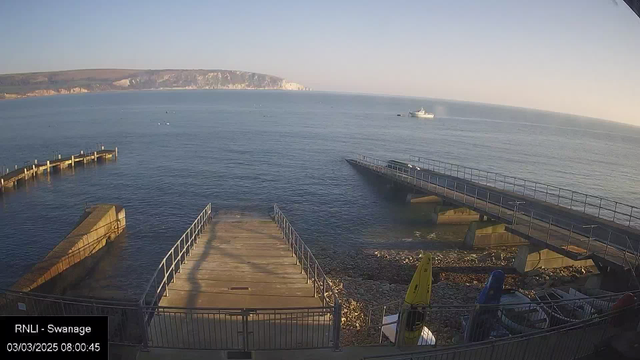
{"type": "Point", "coordinates": [126, 323]}
{"type": "Point", "coordinates": [306, 260]}
{"type": "Point", "coordinates": [457, 324]}
{"type": "Point", "coordinates": [603, 208]}
{"type": "Point", "coordinates": [562, 236]}
{"type": "Point", "coordinates": [241, 329]}
{"type": "Point", "coordinates": [172, 262]}
{"type": "Point", "coordinates": [315, 275]}
{"type": "Point", "coordinates": [568, 341]}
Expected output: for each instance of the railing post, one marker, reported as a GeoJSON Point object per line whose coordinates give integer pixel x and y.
{"type": "Point", "coordinates": [308, 264]}
{"type": "Point", "coordinates": [143, 326]}
{"type": "Point", "coordinates": [549, 230]}
{"type": "Point", "coordinates": [475, 198]}
{"type": "Point", "coordinates": [615, 210]}
{"type": "Point", "coordinates": [179, 255]}
{"type": "Point", "coordinates": [571, 204]}
{"type": "Point", "coordinates": [487, 203]}
{"type": "Point", "coordinates": [570, 235]}
{"type": "Point", "coordinates": [530, 223]}
{"type": "Point", "coordinates": [315, 279]}
{"type": "Point", "coordinates": [464, 196]}
{"type": "Point", "coordinates": [337, 323]}
{"type": "Point", "coordinates": [173, 266]}
{"type": "Point", "coordinates": [166, 285]}
{"type": "Point", "coordinates": [324, 285]}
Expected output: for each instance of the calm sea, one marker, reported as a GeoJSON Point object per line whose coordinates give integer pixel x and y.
{"type": "Point", "coordinates": [245, 150]}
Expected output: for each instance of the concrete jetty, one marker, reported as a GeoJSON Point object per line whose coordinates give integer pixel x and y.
{"type": "Point", "coordinates": [11, 178]}
{"type": "Point", "coordinates": [241, 262]}
{"type": "Point", "coordinates": [577, 236]}
{"type": "Point", "coordinates": [97, 226]}
{"type": "Point", "coordinates": [242, 287]}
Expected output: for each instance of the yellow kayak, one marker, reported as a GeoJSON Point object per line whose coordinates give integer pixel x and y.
{"type": "Point", "coordinates": [419, 294]}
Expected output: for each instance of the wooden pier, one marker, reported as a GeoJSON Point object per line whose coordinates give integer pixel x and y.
{"type": "Point", "coordinates": [10, 179]}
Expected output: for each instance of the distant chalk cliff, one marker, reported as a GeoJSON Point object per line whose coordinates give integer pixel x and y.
{"type": "Point", "coordinates": [14, 86]}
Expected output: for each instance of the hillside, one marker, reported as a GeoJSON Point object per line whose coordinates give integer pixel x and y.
{"type": "Point", "coordinates": [79, 81]}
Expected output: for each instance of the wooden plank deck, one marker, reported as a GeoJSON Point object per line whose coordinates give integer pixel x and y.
{"type": "Point", "coordinates": [241, 262]}
{"type": "Point", "coordinates": [241, 288]}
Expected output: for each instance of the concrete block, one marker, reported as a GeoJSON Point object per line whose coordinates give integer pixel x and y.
{"type": "Point", "coordinates": [453, 215]}
{"type": "Point", "coordinates": [98, 225]}
{"type": "Point", "coordinates": [530, 257]}
{"type": "Point", "coordinates": [423, 199]}
{"type": "Point", "coordinates": [484, 234]}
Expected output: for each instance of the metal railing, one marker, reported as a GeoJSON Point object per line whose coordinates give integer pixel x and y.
{"type": "Point", "coordinates": [126, 324]}
{"type": "Point", "coordinates": [309, 265]}
{"type": "Point", "coordinates": [455, 324]}
{"type": "Point", "coordinates": [569, 341]}
{"type": "Point", "coordinates": [563, 236]}
{"type": "Point", "coordinates": [241, 329]}
{"type": "Point", "coordinates": [598, 206]}
{"type": "Point", "coordinates": [172, 262]}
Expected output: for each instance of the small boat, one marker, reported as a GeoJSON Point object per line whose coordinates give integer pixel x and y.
{"type": "Point", "coordinates": [482, 324]}
{"type": "Point", "coordinates": [600, 300]}
{"type": "Point", "coordinates": [418, 296]}
{"type": "Point", "coordinates": [426, 337]}
{"type": "Point", "coordinates": [421, 114]}
{"type": "Point", "coordinates": [523, 316]}
{"type": "Point", "coordinates": [563, 308]}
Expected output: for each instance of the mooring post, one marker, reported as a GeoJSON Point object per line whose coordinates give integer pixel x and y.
{"type": "Point", "coordinates": [73, 161]}
{"type": "Point", "coordinates": [95, 156]}
{"type": "Point", "coordinates": [116, 152]}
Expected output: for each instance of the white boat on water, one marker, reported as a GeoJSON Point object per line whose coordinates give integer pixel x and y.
{"type": "Point", "coordinates": [421, 114]}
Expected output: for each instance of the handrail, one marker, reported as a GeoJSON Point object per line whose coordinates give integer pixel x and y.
{"type": "Point", "coordinates": [309, 264]}
{"type": "Point", "coordinates": [184, 246]}
{"type": "Point", "coordinates": [598, 206]}
{"type": "Point", "coordinates": [313, 270]}
{"type": "Point", "coordinates": [526, 221]}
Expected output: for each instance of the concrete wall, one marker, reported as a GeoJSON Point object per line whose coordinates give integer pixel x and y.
{"type": "Point", "coordinates": [530, 257]}
{"type": "Point", "coordinates": [483, 234]}
{"type": "Point", "coordinates": [453, 215]}
{"type": "Point", "coordinates": [97, 226]}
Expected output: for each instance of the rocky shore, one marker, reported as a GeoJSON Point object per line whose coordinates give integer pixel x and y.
{"type": "Point", "coordinates": [367, 279]}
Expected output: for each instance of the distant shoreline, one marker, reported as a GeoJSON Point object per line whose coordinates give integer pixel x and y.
{"type": "Point", "coordinates": [17, 86]}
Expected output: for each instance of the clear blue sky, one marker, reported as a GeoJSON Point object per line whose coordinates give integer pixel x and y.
{"type": "Point", "coordinates": [573, 56]}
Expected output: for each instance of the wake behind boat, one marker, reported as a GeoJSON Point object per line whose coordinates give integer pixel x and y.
{"type": "Point", "coordinates": [421, 114]}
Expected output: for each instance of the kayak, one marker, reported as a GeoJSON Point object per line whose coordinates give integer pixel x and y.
{"type": "Point", "coordinates": [418, 295]}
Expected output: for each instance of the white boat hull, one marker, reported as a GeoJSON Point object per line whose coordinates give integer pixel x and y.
{"type": "Point", "coordinates": [422, 116]}
{"type": "Point", "coordinates": [426, 337]}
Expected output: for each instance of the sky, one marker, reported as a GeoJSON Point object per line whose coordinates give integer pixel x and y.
{"type": "Point", "coordinates": [571, 56]}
